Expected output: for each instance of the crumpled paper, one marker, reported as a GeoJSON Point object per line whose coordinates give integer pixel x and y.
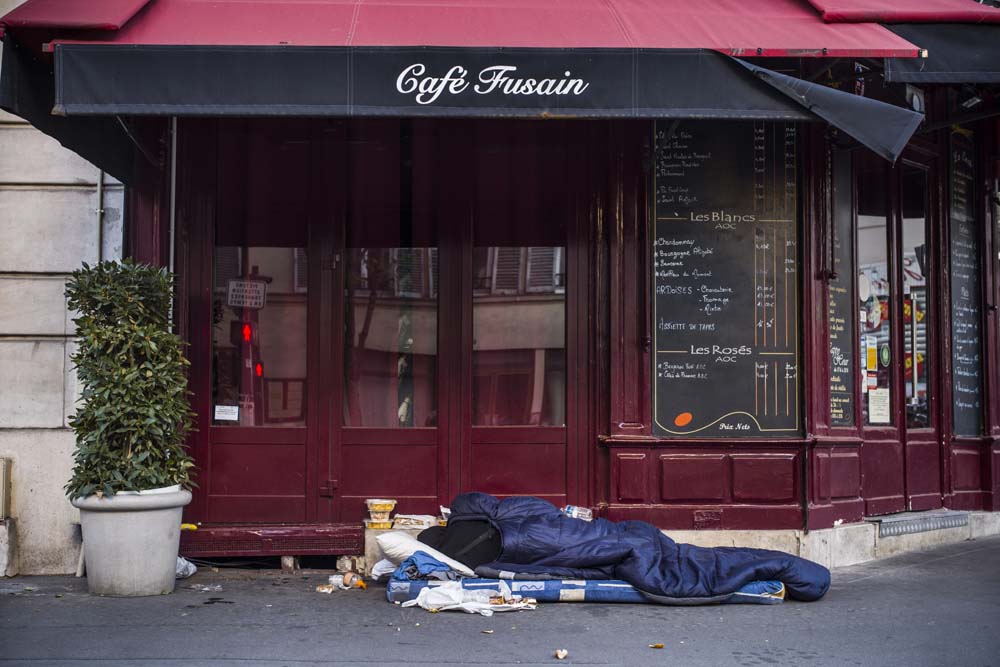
{"type": "Point", "coordinates": [451, 596]}
{"type": "Point", "coordinates": [413, 521]}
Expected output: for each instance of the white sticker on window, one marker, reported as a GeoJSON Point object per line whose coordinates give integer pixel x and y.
{"type": "Point", "coordinates": [227, 413]}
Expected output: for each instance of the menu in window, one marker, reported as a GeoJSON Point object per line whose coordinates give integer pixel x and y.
{"type": "Point", "coordinates": [725, 280]}
{"type": "Point", "coordinates": [966, 294]}
{"type": "Point", "coordinates": [840, 303]}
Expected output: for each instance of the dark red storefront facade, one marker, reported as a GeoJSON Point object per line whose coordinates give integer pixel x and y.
{"type": "Point", "coordinates": [606, 455]}
{"type": "Point", "coordinates": [460, 303]}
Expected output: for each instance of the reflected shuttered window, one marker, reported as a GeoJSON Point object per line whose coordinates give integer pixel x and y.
{"type": "Point", "coordinates": [519, 336]}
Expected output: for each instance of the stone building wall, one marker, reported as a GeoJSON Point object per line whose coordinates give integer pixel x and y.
{"type": "Point", "coordinates": [50, 222]}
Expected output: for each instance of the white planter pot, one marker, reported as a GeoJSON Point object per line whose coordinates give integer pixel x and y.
{"type": "Point", "coordinates": [130, 541]}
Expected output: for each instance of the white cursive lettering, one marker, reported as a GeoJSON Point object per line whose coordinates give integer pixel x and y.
{"type": "Point", "coordinates": [429, 88]}
{"type": "Point", "coordinates": [494, 79]}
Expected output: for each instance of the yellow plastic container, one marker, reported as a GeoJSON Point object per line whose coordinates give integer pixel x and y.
{"type": "Point", "coordinates": [380, 504]}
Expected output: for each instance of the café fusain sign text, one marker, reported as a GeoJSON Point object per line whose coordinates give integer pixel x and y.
{"type": "Point", "coordinates": [496, 79]}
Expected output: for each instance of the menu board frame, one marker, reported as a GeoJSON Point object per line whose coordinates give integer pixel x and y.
{"type": "Point", "coordinates": [967, 290]}
{"type": "Point", "coordinates": [716, 198]}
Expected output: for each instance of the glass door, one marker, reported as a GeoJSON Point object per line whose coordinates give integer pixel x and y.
{"type": "Point", "coordinates": [259, 452]}
{"type": "Point", "coordinates": [917, 267]}
{"type": "Point", "coordinates": [519, 289]}
{"type": "Point", "coordinates": [901, 460]}
{"type": "Point", "coordinates": [387, 373]}
{"type": "Point", "coordinates": [882, 456]}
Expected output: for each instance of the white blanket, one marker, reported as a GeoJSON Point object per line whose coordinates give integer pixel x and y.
{"type": "Point", "coordinates": [451, 596]}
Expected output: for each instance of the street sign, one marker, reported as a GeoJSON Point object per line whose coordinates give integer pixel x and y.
{"type": "Point", "coordinates": [246, 293]}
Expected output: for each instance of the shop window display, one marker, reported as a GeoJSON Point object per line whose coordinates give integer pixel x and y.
{"type": "Point", "coordinates": [874, 294]}
{"type": "Point", "coordinates": [916, 314]}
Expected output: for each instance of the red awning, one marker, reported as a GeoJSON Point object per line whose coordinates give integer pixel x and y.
{"type": "Point", "coordinates": [448, 58]}
{"type": "Point", "coordinates": [901, 11]}
{"type": "Point", "coordinates": [733, 27]}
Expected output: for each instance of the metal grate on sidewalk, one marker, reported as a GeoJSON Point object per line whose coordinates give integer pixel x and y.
{"type": "Point", "coordinates": [909, 523]}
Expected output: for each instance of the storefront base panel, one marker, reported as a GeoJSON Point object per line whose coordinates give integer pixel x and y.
{"type": "Point", "coordinates": [922, 502]}
{"type": "Point", "coordinates": [887, 505]}
{"type": "Point", "coordinates": [275, 540]}
{"type": "Point", "coordinates": [970, 462]}
{"type": "Point", "coordinates": [993, 467]}
{"type": "Point", "coordinates": [968, 500]}
{"type": "Point", "coordinates": [709, 518]}
{"type": "Point", "coordinates": [842, 511]}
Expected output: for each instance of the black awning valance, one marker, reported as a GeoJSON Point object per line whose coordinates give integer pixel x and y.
{"type": "Point", "coordinates": [411, 81]}
{"type": "Point", "coordinates": [956, 53]}
{"type": "Point", "coordinates": [118, 80]}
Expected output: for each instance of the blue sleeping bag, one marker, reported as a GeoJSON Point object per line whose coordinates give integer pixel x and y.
{"type": "Point", "coordinates": [540, 541]}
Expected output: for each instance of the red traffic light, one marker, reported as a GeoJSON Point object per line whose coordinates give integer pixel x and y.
{"type": "Point", "coordinates": [247, 332]}
{"type": "Point", "coordinates": [259, 369]}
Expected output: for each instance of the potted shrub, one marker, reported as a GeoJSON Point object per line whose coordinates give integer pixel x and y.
{"type": "Point", "coordinates": [131, 468]}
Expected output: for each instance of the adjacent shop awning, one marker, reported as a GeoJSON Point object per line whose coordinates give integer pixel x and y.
{"type": "Point", "coordinates": [903, 11]}
{"type": "Point", "coordinates": [956, 53]}
{"type": "Point", "coordinates": [94, 15]}
{"type": "Point", "coordinates": [497, 58]}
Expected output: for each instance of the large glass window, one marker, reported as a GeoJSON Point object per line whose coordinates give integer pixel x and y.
{"type": "Point", "coordinates": [519, 336]}
{"type": "Point", "coordinates": [519, 281]}
{"type": "Point", "coordinates": [259, 336]}
{"type": "Point", "coordinates": [874, 290]}
{"type": "Point", "coordinates": [391, 337]}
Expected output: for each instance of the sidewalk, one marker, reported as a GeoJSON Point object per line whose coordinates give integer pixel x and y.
{"type": "Point", "coordinates": [939, 607]}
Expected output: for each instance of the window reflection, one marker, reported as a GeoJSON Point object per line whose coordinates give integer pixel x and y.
{"type": "Point", "coordinates": [519, 336]}
{"type": "Point", "coordinates": [391, 337]}
{"type": "Point", "coordinates": [874, 290]}
{"type": "Point", "coordinates": [391, 277]}
{"type": "Point", "coordinates": [259, 336]}
{"type": "Point", "coordinates": [916, 316]}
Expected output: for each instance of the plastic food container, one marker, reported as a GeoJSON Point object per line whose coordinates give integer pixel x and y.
{"type": "Point", "coordinates": [380, 508]}
{"type": "Point", "coordinates": [380, 504]}
{"type": "Point", "coordinates": [374, 524]}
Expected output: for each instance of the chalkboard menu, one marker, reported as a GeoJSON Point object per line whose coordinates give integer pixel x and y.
{"type": "Point", "coordinates": [725, 279]}
{"type": "Point", "coordinates": [966, 295]}
{"type": "Point", "coordinates": [841, 305]}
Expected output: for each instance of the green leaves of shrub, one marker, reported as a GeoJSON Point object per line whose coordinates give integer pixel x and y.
{"type": "Point", "coordinates": [134, 413]}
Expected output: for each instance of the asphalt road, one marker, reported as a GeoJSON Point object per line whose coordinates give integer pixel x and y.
{"type": "Point", "coordinates": [939, 607]}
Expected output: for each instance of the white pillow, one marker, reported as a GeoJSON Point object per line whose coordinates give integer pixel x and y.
{"type": "Point", "coordinates": [397, 546]}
